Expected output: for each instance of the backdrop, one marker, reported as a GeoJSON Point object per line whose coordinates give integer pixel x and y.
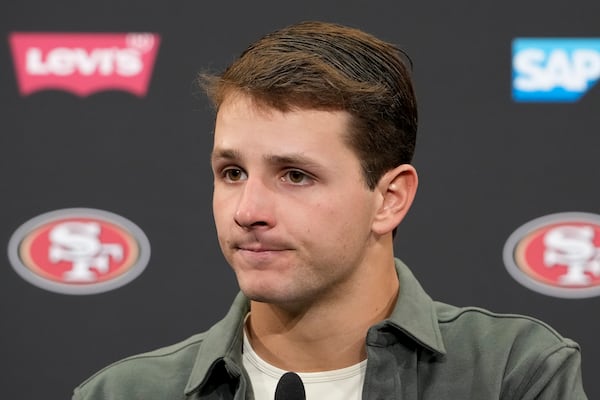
{"type": "Point", "coordinates": [105, 143]}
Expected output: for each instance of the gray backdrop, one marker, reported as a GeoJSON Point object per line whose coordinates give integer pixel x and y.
{"type": "Point", "coordinates": [487, 165]}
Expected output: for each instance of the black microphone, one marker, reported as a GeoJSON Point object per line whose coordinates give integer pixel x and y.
{"type": "Point", "coordinates": [290, 387]}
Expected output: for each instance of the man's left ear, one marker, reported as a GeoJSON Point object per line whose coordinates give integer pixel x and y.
{"type": "Point", "coordinates": [398, 188]}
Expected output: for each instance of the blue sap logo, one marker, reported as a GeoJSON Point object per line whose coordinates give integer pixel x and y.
{"type": "Point", "coordinates": [554, 70]}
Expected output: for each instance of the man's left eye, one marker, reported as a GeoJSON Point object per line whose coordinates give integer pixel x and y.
{"type": "Point", "coordinates": [296, 177]}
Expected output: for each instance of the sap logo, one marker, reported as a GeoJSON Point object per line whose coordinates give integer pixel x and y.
{"type": "Point", "coordinates": [554, 70]}
{"type": "Point", "coordinates": [84, 63]}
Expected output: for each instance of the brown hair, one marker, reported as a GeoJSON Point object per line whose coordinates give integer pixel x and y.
{"type": "Point", "coordinates": [319, 65]}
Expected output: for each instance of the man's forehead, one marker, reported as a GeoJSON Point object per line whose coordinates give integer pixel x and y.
{"type": "Point", "coordinates": [245, 127]}
{"type": "Point", "coordinates": [239, 101]}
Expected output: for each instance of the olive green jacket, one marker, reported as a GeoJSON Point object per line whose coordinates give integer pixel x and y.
{"type": "Point", "coordinates": [425, 350]}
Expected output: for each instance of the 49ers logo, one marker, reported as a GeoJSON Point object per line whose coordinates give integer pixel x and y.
{"type": "Point", "coordinates": [84, 63]}
{"type": "Point", "coordinates": [557, 255]}
{"type": "Point", "coordinates": [79, 251]}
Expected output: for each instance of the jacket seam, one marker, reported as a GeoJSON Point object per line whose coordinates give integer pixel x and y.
{"type": "Point", "coordinates": [490, 314]}
{"type": "Point", "coordinates": [539, 362]}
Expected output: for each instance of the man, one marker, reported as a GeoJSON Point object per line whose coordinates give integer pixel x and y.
{"type": "Point", "coordinates": [314, 134]}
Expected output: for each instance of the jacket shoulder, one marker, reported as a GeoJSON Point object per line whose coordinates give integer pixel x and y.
{"type": "Point", "coordinates": [523, 356]}
{"type": "Point", "coordinates": [158, 374]}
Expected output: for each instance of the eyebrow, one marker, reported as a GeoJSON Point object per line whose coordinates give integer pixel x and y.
{"type": "Point", "coordinates": [291, 159]}
{"type": "Point", "coordinates": [227, 154]}
{"type": "Point", "coordinates": [299, 159]}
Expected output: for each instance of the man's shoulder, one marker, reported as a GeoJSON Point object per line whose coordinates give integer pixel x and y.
{"type": "Point", "coordinates": [165, 373]}
{"type": "Point", "coordinates": [510, 339]}
{"type": "Point", "coordinates": [521, 355]}
{"type": "Point", "coordinates": [161, 373]}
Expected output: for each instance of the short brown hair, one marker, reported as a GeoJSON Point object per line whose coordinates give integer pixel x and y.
{"type": "Point", "coordinates": [319, 65]}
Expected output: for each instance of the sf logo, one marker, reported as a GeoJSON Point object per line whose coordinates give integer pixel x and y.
{"type": "Point", "coordinates": [79, 244]}
{"type": "Point", "coordinates": [573, 247]}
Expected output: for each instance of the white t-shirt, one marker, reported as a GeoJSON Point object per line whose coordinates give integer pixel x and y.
{"type": "Point", "coordinates": [339, 384]}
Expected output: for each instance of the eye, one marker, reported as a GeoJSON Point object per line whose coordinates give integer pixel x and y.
{"type": "Point", "coordinates": [233, 174]}
{"type": "Point", "coordinates": [297, 177]}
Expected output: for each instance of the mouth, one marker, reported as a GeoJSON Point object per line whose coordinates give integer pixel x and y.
{"type": "Point", "coordinates": [262, 258]}
{"type": "Point", "coordinates": [260, 253]}
{"type": "Point", "coordinates": [257, 246]}
{"type": "Point", "coordinates": [259, 249]}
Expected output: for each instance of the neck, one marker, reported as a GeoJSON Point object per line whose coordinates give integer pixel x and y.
{"type": "Point", "coordinates": [326, 335]}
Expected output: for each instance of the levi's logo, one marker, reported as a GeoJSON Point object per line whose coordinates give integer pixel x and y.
{"type": "Point", "coordinates": [84, 63]}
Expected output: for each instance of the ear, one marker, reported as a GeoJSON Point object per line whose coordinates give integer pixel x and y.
{"type": "Point", "coordinates": [398, 188]}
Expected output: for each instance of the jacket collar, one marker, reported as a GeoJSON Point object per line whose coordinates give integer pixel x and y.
{"type": "Point", "coordinates": [414, 315]}
{"type": "Point", "coordinates": [223, 341]}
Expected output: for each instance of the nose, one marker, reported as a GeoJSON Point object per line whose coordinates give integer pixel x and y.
{"type": "Point", "coordinates": [254, 208]}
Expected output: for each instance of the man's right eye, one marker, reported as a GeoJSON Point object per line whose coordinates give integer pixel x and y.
{"type": "Point", "coordinates": [233, 174]}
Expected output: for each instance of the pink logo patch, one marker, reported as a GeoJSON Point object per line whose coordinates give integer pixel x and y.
{"type": "Point", "coordinates": [84, 63]}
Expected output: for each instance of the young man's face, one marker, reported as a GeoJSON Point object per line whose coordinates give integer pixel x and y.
{"type": "Point", "coordinates": [292, 210]}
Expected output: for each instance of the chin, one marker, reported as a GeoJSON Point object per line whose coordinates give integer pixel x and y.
{"type": "Point", "coordinates": [261, 294]}
{"type": "Point", "coordinates": [264, 294]}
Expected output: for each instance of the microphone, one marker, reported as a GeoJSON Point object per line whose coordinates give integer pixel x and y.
{"type": "Point", "coordinates": [290, 387]}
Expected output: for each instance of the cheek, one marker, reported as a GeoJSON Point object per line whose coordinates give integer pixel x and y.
{"type": "Point", "coordinates": [353, 217]}
{"type": "Point", "coordinates": [220, 215]}
{"type": "Point", "coordinates": [334, 221]}
{"type": "Point", "coordinates": [220, 202]}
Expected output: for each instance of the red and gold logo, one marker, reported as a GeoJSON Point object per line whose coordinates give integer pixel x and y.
{"type": "Point", "coordinates": [557, 255]}
{"type": "Point", "coordinates": [79, 251]}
